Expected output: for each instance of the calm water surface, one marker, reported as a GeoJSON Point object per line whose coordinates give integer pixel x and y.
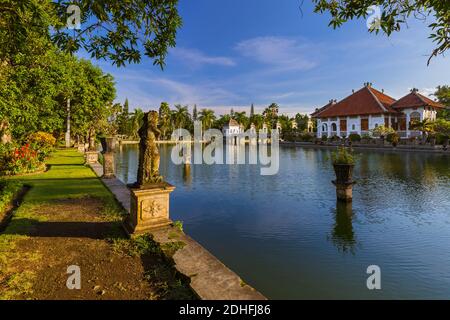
{"type": "Point", "coordinates": [286, 235]}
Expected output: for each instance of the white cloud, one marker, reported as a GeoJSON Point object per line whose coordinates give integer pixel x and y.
{"type": "Point", "coordinates": [280, 52]}
{"type": "Point", "coordinates": [197, 58]}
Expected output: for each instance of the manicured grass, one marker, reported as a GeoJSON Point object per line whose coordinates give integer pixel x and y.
{"type": "Point", "coordinates": [68, 177]}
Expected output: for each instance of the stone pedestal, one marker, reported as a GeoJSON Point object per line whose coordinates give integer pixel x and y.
{"type": "Point", "coordinates": [344, 190]}
{"type": "Point", "coordinates": [91, 157]}
{"type": "Point", "coordinates": [109, 170]}
{"type": "Point", "coordinates": [149, 208]}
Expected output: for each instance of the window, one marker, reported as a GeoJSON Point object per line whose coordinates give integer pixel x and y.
{"type": "Point", "coordinates": [334, 127]}
{"type": "Point", "coordinates": [353, 127]}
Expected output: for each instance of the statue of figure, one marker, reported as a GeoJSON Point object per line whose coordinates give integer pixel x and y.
{"type": "Point", "coordinates": [148, 171]}
{"type": "Point", "coordinates": [92, 146]}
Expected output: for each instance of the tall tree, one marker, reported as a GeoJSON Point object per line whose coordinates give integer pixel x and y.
{"type": "Point", "coordinates": [271, 115]}
{"type": "Point", "coordinates": [302, 121]}
{"type": "Point", "coordinates": [165, 122]}
{"type": "Point", "coordinates": [207, 117]}
{"type": "Point", "coordinates": [241, 118]}
{"type": "Point", "coordinates": [136, 121]}
{"type": "Point", "coordinates": [252, 112]}
{"type": "Point", "coordinates": [393, 15]}
{"type": "Point", "coordinates": [195, 113]}
{"type": "Point", "coordinates": [181, 116]}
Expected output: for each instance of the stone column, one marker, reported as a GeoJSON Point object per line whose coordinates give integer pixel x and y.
{"type": "Point", "coordinates": [344, 190]}
{"type": "Point", "coordinates": [109, 170]}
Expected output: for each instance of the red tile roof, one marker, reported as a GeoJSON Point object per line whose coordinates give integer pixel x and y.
{"type": "Point", "coordinates": [320, 110]}
{"type": "Point", "coordinates": [416, 100]}
{"type": "Point", "coordinates": [363, 102]}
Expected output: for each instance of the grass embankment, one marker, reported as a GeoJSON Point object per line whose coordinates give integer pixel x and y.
{"type": "Point", "coordinates": [69, 218]}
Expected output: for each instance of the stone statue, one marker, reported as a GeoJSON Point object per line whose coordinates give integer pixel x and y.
{"type": "Point", "coordinates": [148, 171]}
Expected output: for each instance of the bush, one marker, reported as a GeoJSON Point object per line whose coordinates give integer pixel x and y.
{"type": "Point", "coordinates": [343, 156]}
{"type": "Point", "coordinates": [306, 137]}
{"type": "Point", "coordinates": [354, 137]}
{"type": "Point", "coordinates": [324, 138]}
{"type": "Point", "coordinates": [335, 139]}
{"type": "Point", "coordinates": [393, 137]}
{"type": "Point", "coordinates": [43, 143]}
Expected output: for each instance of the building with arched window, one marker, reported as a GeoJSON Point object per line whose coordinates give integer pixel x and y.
{"type": "Point", "coordinates": [368, 108]}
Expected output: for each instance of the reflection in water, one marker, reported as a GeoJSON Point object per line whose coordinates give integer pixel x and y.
{"type": "Point", "coordinates": [187, 178]}
{"type": "Point", "coordinates": [343, 236]}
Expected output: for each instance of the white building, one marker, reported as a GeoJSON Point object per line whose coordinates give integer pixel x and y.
{"type": "Point", "coordinates": [232, 128]}
{"type": "Point", "coordinates": [369, 108]}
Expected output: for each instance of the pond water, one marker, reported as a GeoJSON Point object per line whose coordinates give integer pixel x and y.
{"type": "Point", "coordinates": [287, 236]}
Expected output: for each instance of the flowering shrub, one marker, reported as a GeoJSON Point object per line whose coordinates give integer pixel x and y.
{"type": "Point", "coordinates": [43, 143]}
{"type": "Point", "coordinates": [18, 160]}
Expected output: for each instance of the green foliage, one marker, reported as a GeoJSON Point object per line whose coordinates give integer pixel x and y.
{"type": "Point", "coordinates": [178, 225]}
{"type": "Point", "coordinates": [393, 138]}
{"type": "Point", "coordinates": [270, 115]}
{"type": "Point", "coordinates": [302, 121]}
{"type": "Point", "coordinates": [306, 137]}
{"type": "Point", "coordinates": [8, 191]}
{"type": "Point", "coordinates": [354, 137]}
{"type": "Point", "coordinates": [207, 117]}
{"type": "Point", "coordinates": [343, 155]}
{"type": "Point", "coordinates": [442, 127]}
{"type": "Point", "coordinates": [382, 131]}
{"type": "Point", "coordinates": [443, 95]}
{"type": "Point", "coordinates": [395, 14]}
{"type": "Point", "coordinates": [120, 31]}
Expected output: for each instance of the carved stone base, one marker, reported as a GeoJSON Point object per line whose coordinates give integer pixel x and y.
{"type": "Point", "coordinates": [80, 148]}
{"type": "Point", "coordinates": [91, 157]}
{"type": "Point", "coordinates": [149, 209]}
{"type": "Point", "coordinates": [344, 191]}
{"type": "Point", "coordinates": [108, 165]}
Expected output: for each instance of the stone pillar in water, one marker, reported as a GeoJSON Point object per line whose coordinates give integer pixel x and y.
{"type": "Point", "coordinates": [344, 182]}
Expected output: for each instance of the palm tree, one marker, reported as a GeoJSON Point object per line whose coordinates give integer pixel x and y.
{"type": "Point", "coordinates": [136, 121]}
{"type": "Point", "coordinates": [207, 117]}
{"type": "Point", "coordinates": [241, 118]}
{"type": "Point", "coordinates": [181, 116]}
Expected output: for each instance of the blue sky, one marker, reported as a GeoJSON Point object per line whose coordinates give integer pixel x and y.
{"type": "Point", "coordinates": [236, 52]}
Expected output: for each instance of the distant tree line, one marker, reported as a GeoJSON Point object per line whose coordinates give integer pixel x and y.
{"type": "Point", "coordinates": [127, 123]}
